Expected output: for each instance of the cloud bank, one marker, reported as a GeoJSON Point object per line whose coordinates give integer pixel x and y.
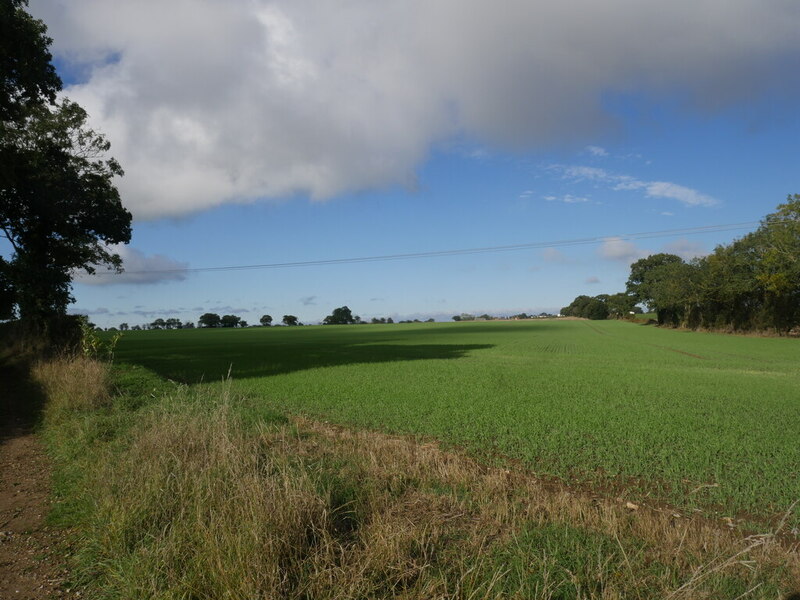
{"type": "Point", "coordinates": [138, 268]}
{"type": "Point", "coordinates": [209, 102]}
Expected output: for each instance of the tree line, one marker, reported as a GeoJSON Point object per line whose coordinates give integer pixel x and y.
{"type": "Point", "coordinates": [750, 284]}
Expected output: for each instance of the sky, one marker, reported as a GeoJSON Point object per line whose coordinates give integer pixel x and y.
{"type": "Point", "coordinates": [258, 132]}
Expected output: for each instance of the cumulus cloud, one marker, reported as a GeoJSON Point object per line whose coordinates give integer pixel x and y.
{"type": "Point", "coordinates": [620, 250]}
{"type": "Point", "coordinates": [212, 102]}
{"type": "Point", "coordinates": [138, 268]}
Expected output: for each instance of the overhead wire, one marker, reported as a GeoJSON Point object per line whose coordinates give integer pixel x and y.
{"type": "Point", "coordinates": [452, 252]}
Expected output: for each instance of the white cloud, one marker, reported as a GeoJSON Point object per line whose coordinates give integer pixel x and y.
{"type": "Point", "coordinates": [686, 249]}
{"type": "Point", "coordinates": [592, 280]}
{"type": "Point", "coordinates": [620, 250]}
{"type": "Point", "coordinates": [621, 182]}
{"type": "Point", "coordinates": [209, 102]}
{"type": "Point", "coordinates": [138, 268]}
{"type": "Point", "coordinates": [688, 196]}
{"type": "Point", "coordinates": [570, 199]}
{"type": "Point", "coordinates": [598, 151]}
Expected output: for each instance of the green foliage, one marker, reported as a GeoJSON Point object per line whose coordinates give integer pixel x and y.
{"type": "Point", "coordinates": [209, 320]}
{"type": "Point", "coordinates": [26, 73]}
{"type": "Point", "coordinates": [59, 208]}
{"type": "Point", "coordinates": [290, 320]}
{"type": "Point", "coordinates": [230, 321]}
{"type": "Point", "coordinates": [614, 404]}
{"type": "Point", "coordinates": [94, 345]}
{"type": "Point", "coordinates": [752, 283]}
{"type": "Point", "coordinates": [265, 320]}
{"type": "Point", "coordinates": [340, 316]}
{"type": "Point", "coordinates": [599, 307]}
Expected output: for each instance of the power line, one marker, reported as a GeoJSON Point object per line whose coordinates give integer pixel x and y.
{"type": "Point", "coordinates": [456, 252]}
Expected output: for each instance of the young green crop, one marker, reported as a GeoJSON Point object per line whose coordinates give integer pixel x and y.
{"type": "Point", "coordinates": [694, 419]}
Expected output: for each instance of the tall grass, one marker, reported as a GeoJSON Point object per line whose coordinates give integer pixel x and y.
{"type": "Point", "coordinates": [200, 494]}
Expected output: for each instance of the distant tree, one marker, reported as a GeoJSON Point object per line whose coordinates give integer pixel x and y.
{"type": "Point", "coordinates": [290, 320]}
{"type": "Point", "coordinates": [230, 321]}
{"type": "Point", "coordinates": [188, 325]}
{"type": "Point", "coordinates": [376, 321]}
{"type": "Point", "coordinates": [486, 317]}
{"type": "Point", "coordinates": [578, 307]}
{"type": "Point", "coordinates": [242, 323]}
{"type": "Point", "coordinates": [340, 316]}
{"type": "Point", "coordinates": [620, 305]}
{"type": "Point", "coordinates": [173, 323]}
{"type": "Point", "coordinates": [456, 318]}
{"type": "Point", "coordinates": [158, 324]}
{"type": "Point", "coordinates": [431, 320]}
{"type": "Point", "coordinates": [123, 327]}
{"type": "Point", "coordinates": [209, 320]}
{"type": "Point", "coordinates": [136, 328]}
{"type": "Point", "coordinates": [265, 320]}
{"type": "Point", "coordinates": [596, 310]}
{"type": "Point", "coordinates": [389, 320]}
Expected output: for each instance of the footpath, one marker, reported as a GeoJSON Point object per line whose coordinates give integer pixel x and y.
{"type": "Point", "coordinates": [31, 551]}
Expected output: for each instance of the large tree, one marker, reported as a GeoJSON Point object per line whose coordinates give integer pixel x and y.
{"type": "Point", "coordinates": [59, 208]}
{"type": "Point", "coordinates": [340, 316]}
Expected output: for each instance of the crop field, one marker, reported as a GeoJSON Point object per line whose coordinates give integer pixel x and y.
{"type": "Point", "coordinates": [695, 420]}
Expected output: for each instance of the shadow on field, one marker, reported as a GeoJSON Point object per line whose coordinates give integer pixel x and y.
{"type": "Point", "coordinates": [192, 365]}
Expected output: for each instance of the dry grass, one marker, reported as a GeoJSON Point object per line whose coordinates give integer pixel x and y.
{"type": "Point", "coordinates": [201, 506]}
{"type": "Point", "coordinates": [197, 503]}
{"type": "Point", "coordinates": [72, 382]}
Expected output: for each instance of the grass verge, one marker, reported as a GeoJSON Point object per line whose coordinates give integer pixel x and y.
{"type": "Point", "coordinates": [199, 494]}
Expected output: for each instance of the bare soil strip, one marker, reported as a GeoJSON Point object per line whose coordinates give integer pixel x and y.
{"type": "Point", "coordinates": [31, 565]}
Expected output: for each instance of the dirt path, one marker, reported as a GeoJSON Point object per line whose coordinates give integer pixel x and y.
{"type": "Point", "coordinates": [31, 563]}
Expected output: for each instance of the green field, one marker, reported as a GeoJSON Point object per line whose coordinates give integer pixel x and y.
{"type": "Point", "coordinates": [694, 419]}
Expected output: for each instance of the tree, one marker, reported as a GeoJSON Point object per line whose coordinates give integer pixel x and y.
{"type": "Point", "coordinates": [26, 73]}
{"type": "Point", "coordinates": [266, 320]}
{"type": "Point", "coordinates": [620, 305]}
{"type": "Point", "coordinates": [59, 207]}
{"type": "Point", "coordinates": [230, 321]}
{"type": "Point", "coordinates": [290, 320]}
{"type": "Point", "coordinates": [158, 324]}
{"type": "Point", "coordinates": [123, 327]}
{"type": "Point", "coordinates": [209, 320]}
{"type": "Point", "coordinates": [340, 316]}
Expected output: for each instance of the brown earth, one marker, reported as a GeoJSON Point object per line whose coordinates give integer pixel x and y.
{"type": "Point", "coordinates": [31, 551]}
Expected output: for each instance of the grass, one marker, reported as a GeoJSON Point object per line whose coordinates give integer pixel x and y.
{"type": "Point", "coordinates": [202, 493]}
{"type": "Point", "coordinates": [696, 420]}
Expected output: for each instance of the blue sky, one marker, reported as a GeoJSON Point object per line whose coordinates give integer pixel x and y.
{"type": "Point", "coordinates": [263, 134]}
